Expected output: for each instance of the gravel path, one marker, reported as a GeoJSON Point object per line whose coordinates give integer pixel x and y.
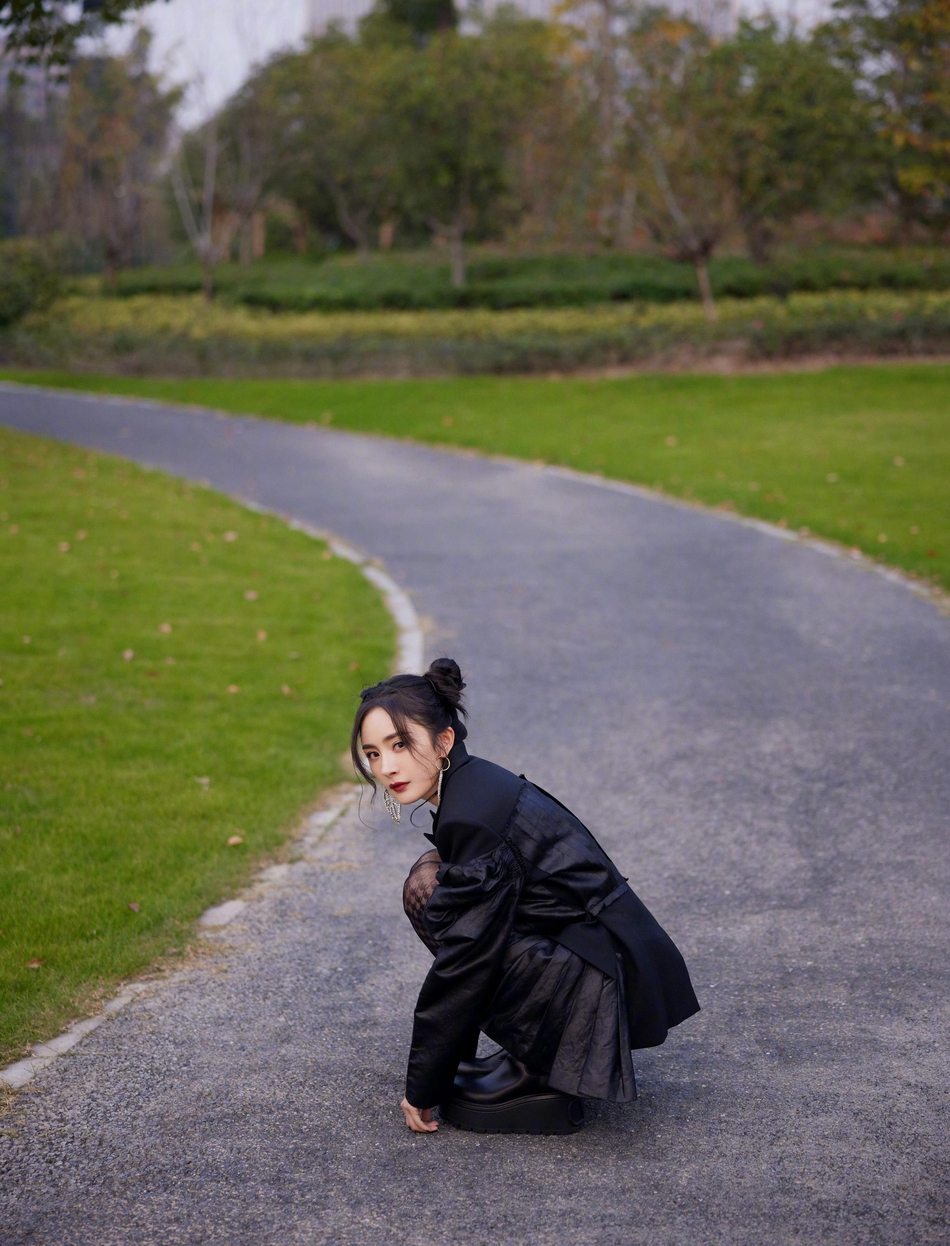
{"type": "Point", "coordinates": [758, 733]}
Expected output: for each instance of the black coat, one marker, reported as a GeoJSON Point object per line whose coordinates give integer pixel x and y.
{"type": "Point", "coordinates": [516, 861]}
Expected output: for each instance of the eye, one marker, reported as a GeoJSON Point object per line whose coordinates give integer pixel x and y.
{"type": "Point", "coordinates": [399, 744]}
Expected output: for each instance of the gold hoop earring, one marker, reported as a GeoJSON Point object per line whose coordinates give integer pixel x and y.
{"type": "Point", "coordinates": [442, 773]}
{"type": "Point", "coordinates": [393, 807]}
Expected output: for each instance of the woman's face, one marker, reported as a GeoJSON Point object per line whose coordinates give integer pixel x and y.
{"type": "Point", "coordinates": [410, 776]}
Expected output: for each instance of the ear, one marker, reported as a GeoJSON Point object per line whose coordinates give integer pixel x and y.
{"type": "Point", "coordinates": [446, 739]}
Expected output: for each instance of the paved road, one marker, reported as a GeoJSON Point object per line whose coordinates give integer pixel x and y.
{"type": "Point", "coordinates": [760, 735]}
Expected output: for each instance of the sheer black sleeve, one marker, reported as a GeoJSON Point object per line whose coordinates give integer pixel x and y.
{"type": "Point", "coordinates": [470, 916]}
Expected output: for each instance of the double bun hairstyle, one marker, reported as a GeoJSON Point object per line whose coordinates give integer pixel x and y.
{"type": "Point", "coordinates": [432, 701]}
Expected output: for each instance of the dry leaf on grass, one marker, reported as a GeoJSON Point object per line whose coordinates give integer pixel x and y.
{"type": "Point", "coordinates": [133, 906]}
{"type": "Point", "coordinates": [234, 840]}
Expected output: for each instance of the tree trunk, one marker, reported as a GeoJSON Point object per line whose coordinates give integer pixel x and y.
{"type": "Point", "coordinates": [457, 254]}
{"type": "Point", "coordinates": [705, 289]}
{"type": "Point", "coordinates": [759, 239]}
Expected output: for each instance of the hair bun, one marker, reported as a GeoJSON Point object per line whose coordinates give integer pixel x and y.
{"type": "Point", "coordinates": [446, 678]}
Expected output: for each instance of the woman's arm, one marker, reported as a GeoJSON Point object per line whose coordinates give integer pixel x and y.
{"type": "Point", "coordinates": [470, 915]}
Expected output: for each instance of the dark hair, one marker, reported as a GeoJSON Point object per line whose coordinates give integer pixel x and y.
{"type": "Point", "coordinates": [432, 701]}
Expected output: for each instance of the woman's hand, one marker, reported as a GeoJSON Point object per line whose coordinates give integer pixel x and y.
{"type": "Point", "coordinates": [418, 1122]}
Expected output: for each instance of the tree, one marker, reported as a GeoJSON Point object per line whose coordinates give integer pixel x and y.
{"type": "Point", "coordinates": [458, 105]}
{"type": "Point", "coordinates": [47, 31]}
{"type": "Point", "coordinates": [338, 137]}
{"type": "Point", "coordinates": [678, 141]}
{"type": "Point", "coordinates": [116, 130]}
{"type": "Point", "coordinates": [900, 49]}
{"type": "Point", "coordinates": [798, 134]}
{"type": "Point", "coordinates": [209, 230]}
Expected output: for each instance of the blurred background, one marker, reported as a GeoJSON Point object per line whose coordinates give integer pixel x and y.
{"type": "Point", "coordinates": [296, 156]}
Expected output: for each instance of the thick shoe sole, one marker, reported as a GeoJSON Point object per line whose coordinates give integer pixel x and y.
{"type": "Point", "coordinates": [549, 1113]}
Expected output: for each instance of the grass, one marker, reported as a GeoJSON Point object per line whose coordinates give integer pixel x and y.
{"type": "Point", "coordinates": [175, 671]}
{"type": "Point", "coordinates": [855, 454]}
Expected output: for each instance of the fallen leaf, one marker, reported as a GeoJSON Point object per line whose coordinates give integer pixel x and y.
{"type": "Point", "coordinates": [328, 554]}
{"type": "Point", "coordinates": [34, 964]}
{"type": "Point", "coordinates": [14, 529]}
{"type": "Point", "coordinates": [250, 594]}
{"type": "Point", "coordinates": [64, 547]}
{"type": "Point", "coordinates": [204, 781]}
{"type": "Point", "coordinates": [234, 840]}
{"type": "Point", "coordinates": [233, 688]}
{"type": "Point", "coordinates": [165, 628]}
{"type": "Point", "coordinates": [81, 534]}
{"type": "Point", "coordinates": [261, 634]}
{"type": "Point", "coordinates": [133, 906]}
{"type": "Point", "coordinates": [26, 640]}
{"type": "Point", "coordinates": [354, 666]}
{"type": "Point", "coordinates": [287, 690]}
{"type": "Point", "coordinates": [898, 461]}
{"type": "Point", "coordinates": [229, 536]}
{"type": "Point", "coordinates": [128, 654]}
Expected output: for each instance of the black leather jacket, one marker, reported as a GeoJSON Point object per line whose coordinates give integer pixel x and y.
{"type": "Point", "coordinates": [516, 861]}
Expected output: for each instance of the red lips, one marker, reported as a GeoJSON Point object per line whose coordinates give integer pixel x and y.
{"type": "Point", "coordinates": [398, 787]}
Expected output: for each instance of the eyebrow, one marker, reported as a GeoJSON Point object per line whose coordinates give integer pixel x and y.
{"type": "Point", "coordinates": [396, 735]}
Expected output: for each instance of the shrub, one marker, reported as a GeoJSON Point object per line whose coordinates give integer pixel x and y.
{"type": "Point", "coordinates": [28, 278]}
{"type": "Point", "coordinates": [181, 335]}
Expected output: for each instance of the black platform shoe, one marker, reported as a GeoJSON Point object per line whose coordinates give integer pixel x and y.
{"type": "Point", "coordinates": [481, 1064]}
{"type": "Point", "coordinates": [510, 1100]}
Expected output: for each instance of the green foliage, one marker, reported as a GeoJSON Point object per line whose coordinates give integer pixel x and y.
{"type": "Point", "coordinates": [852, 454]}
{"type": "Point", "coordinates": [900, 51]}
{"type": "Point", "coordinates": [47, 31]}
{"type": "Point", "coordinates": [798, 134]}
{"type": "Point", "coordinates": [505, 281]}
{"type": "Point", "coordinates": [458, 104]}
{"type": "Point", "coordinates": [332, 107]}
{"type": "Point", "coordinates": [142, 715]}
{"type": "Point", "coordinates": [28, 278]}
{"type": "Point", "coordinates": [179, 336]}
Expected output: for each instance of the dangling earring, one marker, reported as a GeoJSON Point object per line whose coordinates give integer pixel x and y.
{"type": "Point", "coordinates": [393, 807]}
{"type": "Point", "coordinates": [442, 770]}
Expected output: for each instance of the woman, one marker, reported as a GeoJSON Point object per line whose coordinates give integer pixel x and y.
{"type": "Point", "coordinates": [538, 941]}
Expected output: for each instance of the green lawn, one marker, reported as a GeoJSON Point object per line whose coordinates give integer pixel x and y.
{"type": "Point", "coordinates": [174, 671]}
{"type": "Point", "coordinates": [858, 454]}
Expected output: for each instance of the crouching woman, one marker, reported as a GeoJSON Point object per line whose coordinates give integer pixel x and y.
{"type": "Point", "coordinates": [539, 942]}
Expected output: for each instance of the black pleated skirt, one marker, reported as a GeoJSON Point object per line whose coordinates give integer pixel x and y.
{"type": "Point", "coordinates": [561, 1016]}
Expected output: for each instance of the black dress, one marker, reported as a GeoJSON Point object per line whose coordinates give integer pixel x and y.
{"type": "Point", "coordinates": [541, 945]}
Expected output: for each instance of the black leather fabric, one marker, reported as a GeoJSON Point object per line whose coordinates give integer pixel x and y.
{"type": "Point", "coordinates": [518, 871]}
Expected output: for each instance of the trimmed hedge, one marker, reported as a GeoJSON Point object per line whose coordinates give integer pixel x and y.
{"type": "Point", "coordinates": [420, 283]}
{"type": "Point", "coordinates": [183, 336]}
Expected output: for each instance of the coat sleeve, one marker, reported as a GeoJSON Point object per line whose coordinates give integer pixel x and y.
{"type": "Point", "coordinates": [470, 914]}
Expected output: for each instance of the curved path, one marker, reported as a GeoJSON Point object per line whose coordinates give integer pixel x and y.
{"type": "Point", "coordinates": [759, 734]}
